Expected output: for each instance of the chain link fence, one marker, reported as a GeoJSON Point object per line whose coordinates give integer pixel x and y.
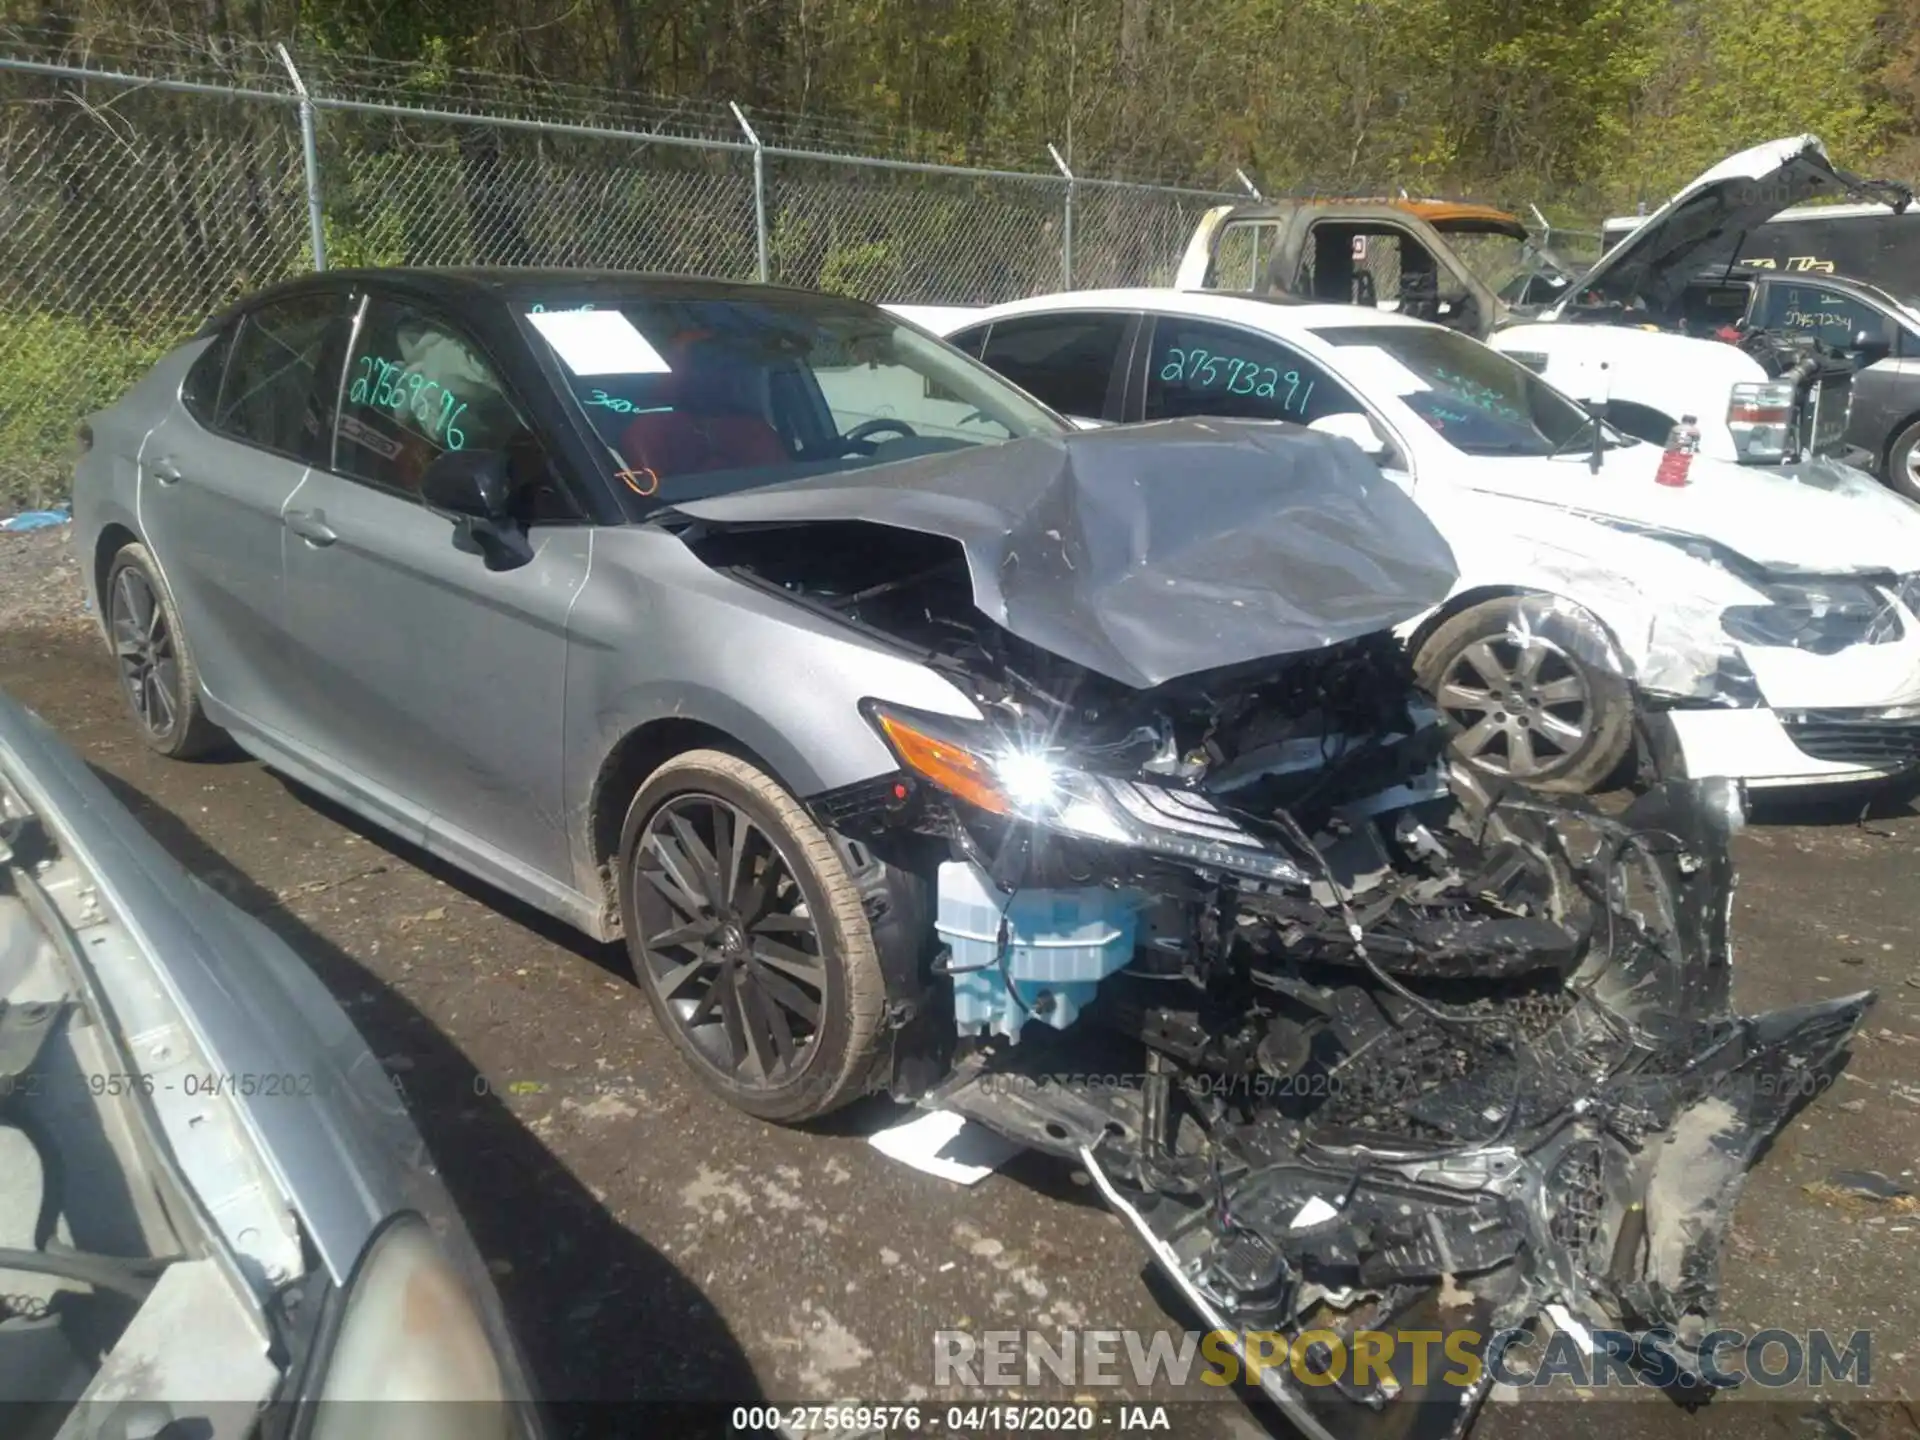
{"type": "Point", "coordinates": [142, 193]}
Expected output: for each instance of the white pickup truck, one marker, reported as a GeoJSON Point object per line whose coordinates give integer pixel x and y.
{"type": "Point", "coordinates": [1635, 333]}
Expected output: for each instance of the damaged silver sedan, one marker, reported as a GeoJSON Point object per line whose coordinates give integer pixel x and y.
{"type": "Point", "coordinates": [915, 741]}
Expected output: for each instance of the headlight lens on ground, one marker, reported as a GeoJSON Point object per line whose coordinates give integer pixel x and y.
{"type": "Point", "coordinates": [411, 1359]}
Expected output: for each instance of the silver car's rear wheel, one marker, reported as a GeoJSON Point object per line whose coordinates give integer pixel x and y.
{"type": "Point", "coordinates": [157, 673]}
{"type": "Point", "coordinates": [750, 938]}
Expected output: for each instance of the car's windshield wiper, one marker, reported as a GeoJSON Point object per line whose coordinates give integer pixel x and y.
{"type": "Point", "coordinates": [1619, 441]}
{"type": "Point", "coordinates": [1505, 447]}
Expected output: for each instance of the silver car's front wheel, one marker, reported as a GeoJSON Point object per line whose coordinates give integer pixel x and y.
{"type": "Point", "coordinates": [750, 938]}
{"type": "Point", "coordinates": [1527, 695]}
{"type": "Point", "coordinates": [157, 673]}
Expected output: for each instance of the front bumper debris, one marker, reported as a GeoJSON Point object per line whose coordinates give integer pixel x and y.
{"type": "Point", "coordinates": [1572, 1149]}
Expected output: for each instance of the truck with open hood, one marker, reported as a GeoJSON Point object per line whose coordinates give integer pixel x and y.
{"type": "Point", "coordinates": [1619, 336]}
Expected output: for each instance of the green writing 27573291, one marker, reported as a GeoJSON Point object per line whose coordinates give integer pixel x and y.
{"type": "Point", "coordinates": [1205, 370]}
{"type": "Point", "coordinates": [386, 385]}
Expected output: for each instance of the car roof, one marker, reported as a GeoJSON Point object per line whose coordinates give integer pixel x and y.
{"type": "Point", "coordinates": [1458, 216]}
{"type": "Point", "coordinates": [1281, 314]}
{"type": "Point", "coordinates": [455, 284]}
{"type": "Point", "coordinates": [1746, 274]}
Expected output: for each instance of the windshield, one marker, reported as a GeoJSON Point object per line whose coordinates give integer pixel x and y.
{"type": "Point", "coordinates": [1477, 399]}
{"type": "Point", "coordinates": [1494, 257]}
{"type": "Point", "coordinates": [701, 395]}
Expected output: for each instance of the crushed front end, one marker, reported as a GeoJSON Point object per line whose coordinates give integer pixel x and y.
{"type": "Point", "coordinates": [1348, 1039]}
{"type": "Point", "coordinates": [1351, 1042]}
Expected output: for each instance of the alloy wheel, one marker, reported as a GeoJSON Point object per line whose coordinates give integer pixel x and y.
{"type": "Point", "coordinates": [149, 668]}
{"type": "Point", "coordinates": [1520, 704]}
{"type": "Point", "coordinates": [729, 941]}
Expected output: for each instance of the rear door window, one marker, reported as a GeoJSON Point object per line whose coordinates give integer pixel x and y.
{"type": "Point", "coordinates": [1066, 360]}
{"type": "Point", "coordinates": [279, 384]}
{"type": "Point", "coordinates": [972, 340]}
{"type": "Point", "coordinates": [200, 392]}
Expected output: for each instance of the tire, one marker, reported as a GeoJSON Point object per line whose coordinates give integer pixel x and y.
{"type": "Point", "coordinates": [158, 678]}
{"type": "Point", "coordinates": [1903, 463]}
{"type": "Point", "coordinates": [718, 996]}
{"type": "Point", "coordinates": [1573, 724]}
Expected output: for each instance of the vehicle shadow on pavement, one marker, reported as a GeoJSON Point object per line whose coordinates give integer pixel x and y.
{"type": "Point", "coordinates": [611, 957]}
{"type": "Point", "coordinates": [602, 1317]}
{"type": "Point", "coordinates": [1861, 805]}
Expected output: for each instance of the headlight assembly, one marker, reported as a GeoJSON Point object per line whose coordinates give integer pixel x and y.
{"type": "Point", "coordinates": [1824, 617]}
{"type": "Point", "coordinates": [1031, 781]}
{"type": "Point", "coordinates": [1820, 614]}
{"type": "Point", "coordinates": [411, 1340]}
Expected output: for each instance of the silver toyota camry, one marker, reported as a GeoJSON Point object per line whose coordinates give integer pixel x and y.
{"type": "Point", "coordinates": [914, 740]}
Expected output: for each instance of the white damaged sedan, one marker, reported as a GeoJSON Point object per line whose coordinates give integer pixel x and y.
{"type": "Point", "coordinates": [1758, 624]}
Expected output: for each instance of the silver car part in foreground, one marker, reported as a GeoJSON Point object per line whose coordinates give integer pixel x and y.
{"type": "Point", "coordinates": [194, 1141]}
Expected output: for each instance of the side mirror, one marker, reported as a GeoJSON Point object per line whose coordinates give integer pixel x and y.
{"type": "Point", "coordinates": [473, 487]}
{"type": "Point", "coordinates": [468, 482]}
{"type": "Point", "coordinates": [1870, 346]}
{"type": "Point", "coordinates": [1357, 428]}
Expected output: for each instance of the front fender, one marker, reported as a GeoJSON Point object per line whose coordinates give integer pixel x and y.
{"type": "Point", "coordinates": [1660, 607]}
{"type": "Point", "coordinates": [656, 635]}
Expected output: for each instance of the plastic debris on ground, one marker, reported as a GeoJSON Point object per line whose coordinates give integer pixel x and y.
{"type": "Point", "coordinates": [36, 520]}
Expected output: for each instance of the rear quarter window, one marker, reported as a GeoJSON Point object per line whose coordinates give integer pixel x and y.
{"type": "Point", "coordinates": [200, 392]}
{"type": "Point", "coordinates": [279, 385]}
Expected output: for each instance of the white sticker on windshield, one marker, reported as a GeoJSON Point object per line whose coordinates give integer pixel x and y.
{"type": "Point", "coordinates": [1370, 365]}
{"type": "Point", "coordinates": [598, 342]}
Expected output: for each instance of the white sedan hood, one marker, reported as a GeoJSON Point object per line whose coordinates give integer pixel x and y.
{"type": "Point", "coordinates": [1821, 517]}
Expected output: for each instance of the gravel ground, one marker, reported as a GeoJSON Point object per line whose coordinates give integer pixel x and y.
{"type": "Point", "coordinates": [39, 582]}
{"type": "Point", "coordinates": [652, 1243]}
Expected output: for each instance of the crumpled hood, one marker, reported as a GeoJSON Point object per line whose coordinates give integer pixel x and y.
{"type": "Point", "coordinates": [1818, 517]}
{"type": "Point", "coordinates": [1153, 551]}
{"type": "Point", "coordinates": [1705, 225]}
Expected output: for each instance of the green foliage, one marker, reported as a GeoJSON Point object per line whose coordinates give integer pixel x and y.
{"type": "Point", "coordinates": [868, 270]}
{"type": "Point", "coordinates": [54, 371]}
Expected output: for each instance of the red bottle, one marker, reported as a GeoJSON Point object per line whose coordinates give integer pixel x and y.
{"type": "Point", "coordinates": [1683, 443]}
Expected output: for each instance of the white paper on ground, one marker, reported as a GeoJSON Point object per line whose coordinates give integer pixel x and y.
{"type": "Point", "coordinates": [598, 342]}
{"type": "Point", "coordinates": [939, 1142]}
{"type": "Point", "coordinates": [1312, 1213]}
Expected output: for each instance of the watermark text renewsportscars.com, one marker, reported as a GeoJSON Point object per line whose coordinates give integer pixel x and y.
{"type": "Point", "coordinates": [1398, 1359]}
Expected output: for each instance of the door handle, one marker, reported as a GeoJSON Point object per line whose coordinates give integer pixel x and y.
{"type": "Point", "coordinates": [311, 526]}
{"type": "Point", "coordinates": [166, 472]}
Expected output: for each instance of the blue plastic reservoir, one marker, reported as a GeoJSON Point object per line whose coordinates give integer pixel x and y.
{"type": "Point", "coordinates": [1055, 946]}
